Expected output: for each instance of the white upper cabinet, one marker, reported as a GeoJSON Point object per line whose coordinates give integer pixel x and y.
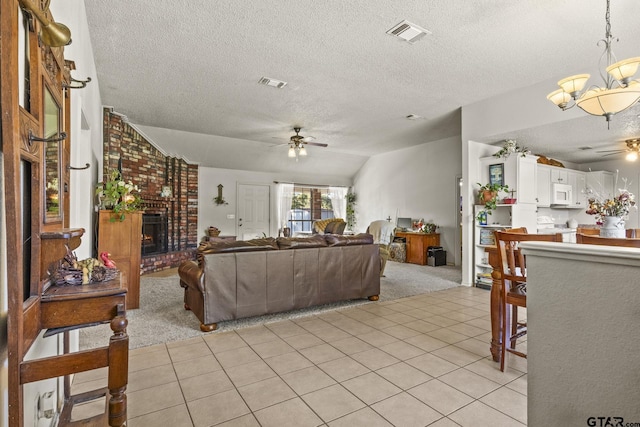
{"type": "Point", "coordinates": [578, 182]}
{"type": "Point", "coordinates": [601, 182]}
{"type": "Point", "coordinates": [543, 186]}
{"type": "Point", "coordinates": [526, 180]}
{"type": "Point", "coordinates": [559, 175]}
{"type": "Point", "coordinates": [518, 172]}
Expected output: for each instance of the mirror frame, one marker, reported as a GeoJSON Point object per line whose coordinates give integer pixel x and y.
{"type": "Point", "coordinates": [51, 128]}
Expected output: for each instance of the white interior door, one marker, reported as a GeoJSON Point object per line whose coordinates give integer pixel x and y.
{"type": "Point", "coordinates": [253, 211]}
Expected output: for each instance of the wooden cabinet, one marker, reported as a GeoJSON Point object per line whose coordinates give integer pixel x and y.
{"type": "Point", "coordinates": [417, 245]}
{"type": "Point", "coordinates": [122, 239]}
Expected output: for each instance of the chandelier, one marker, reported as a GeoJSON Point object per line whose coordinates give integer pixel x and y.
{"type": "Point", "coordinates": [619, 93]}
{"type": "Point", "coordinates": [297, 149]}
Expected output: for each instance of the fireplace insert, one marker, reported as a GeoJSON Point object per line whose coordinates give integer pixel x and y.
{"type": "Point", "coordinates": [154, 233]}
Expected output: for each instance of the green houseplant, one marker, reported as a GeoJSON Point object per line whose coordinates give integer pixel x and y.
{"type": "Point", "coordinates": [488, 196]}
{"type": "Point", "coordinates": [118, 195]}
{"type": "Point", "coordinates": [351, 210]}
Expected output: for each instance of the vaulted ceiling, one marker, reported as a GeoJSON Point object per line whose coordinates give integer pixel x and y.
{"type": "Point", "coordinates": [186, 72]}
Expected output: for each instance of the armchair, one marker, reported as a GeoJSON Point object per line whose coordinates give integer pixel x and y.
{"type": "Point", "coordinates": [382, 232]}
{"type": "Point", "coordinates": [329, 226]}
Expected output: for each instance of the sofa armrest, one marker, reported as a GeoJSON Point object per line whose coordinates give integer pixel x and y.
{"type": "Point", "coordinates": [191, 275]}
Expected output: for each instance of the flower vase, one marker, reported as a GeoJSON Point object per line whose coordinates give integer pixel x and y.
{"type": "Point", "coordinates": [612, 226]}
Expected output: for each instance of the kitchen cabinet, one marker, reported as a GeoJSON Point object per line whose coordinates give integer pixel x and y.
{"type": "Point", "coordinates": [417, 245]}
{"type": "Point", "coordinates": [601, 183]}
{"type": "Point", "coordinates": [526, 179]}
{"type": "Point", "coordinates": [559, 175]}
{"type": "Point", "coordinates": [519, 174]}
{"type": "Point", "coordinates": [543, 186]}
{"type": "Point", "coordinates": [578, 182]}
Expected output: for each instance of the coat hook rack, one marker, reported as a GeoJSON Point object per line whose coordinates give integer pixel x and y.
{"type": "Point", "coordinates": [33, 138]}
{"type": "Point", "coordinates": [81, 83]}
{"type": "Point", "coordinates": [73, 168]}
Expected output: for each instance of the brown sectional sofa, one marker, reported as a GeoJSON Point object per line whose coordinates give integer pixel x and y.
{"type": "Point", "coordinates": [233, 280]}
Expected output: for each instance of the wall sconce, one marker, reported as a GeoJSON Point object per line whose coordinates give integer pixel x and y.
{"type": "Point", "coordinates": [52, 33]}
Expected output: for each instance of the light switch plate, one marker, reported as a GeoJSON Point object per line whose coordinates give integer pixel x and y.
{"type": "Point", "coordinates": [230, 216]}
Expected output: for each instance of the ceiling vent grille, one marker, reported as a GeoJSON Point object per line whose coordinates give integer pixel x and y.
{"type": "Point", "coordinates": [272, 82]}
{"type": "Point", "coordinates": [408, 32]}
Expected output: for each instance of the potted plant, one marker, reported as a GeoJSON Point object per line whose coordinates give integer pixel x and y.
{"type": "Point", "coordinates": [488, 196]}
{"type": "Point", "coordinates": [118, 196]}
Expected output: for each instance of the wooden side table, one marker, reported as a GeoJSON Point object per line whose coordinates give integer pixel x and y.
{"type": "Point", "coordinates": [417, 245]}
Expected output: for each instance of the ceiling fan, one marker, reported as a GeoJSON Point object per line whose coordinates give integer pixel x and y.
{"type": "Point", "coordinates": [632, 149]}
{"type": "Point", "coordinates": [297, 144]}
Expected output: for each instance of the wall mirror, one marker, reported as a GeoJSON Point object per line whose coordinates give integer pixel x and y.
{"type": "Point", "coordinates": [52, 156]}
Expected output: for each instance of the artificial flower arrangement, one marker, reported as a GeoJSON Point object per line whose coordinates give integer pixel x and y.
{"type": "Point", "coordinates": [618, 206]}
{"type": "Point", "coordinates": [119, 196]}
{"type": "Point", "coordinates": [511, 146]}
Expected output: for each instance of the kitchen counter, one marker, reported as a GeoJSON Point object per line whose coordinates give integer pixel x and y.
{"type": "Point", "coordinates": [568, 234]}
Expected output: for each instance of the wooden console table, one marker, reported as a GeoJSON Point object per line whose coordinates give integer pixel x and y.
{"type": "Point", "coordinates": [64, 308]}
{"type": "Point", "coordinates": [417, 244]}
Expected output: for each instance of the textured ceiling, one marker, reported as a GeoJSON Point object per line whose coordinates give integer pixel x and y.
{"type": "Point", "coordinates": [186, 72]}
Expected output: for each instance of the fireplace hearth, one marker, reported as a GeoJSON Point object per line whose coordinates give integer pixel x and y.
{"type": "Point", "coordinates": [154, 233]}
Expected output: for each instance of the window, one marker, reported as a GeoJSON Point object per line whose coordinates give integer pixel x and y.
{"type": "Point", "coordinates": [307, 205]}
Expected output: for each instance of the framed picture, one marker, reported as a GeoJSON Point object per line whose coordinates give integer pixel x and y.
{"type": "Point", "coordinates": [496, 174]}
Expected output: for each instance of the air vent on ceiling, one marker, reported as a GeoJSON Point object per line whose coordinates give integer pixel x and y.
{"type": "Point", "coordinates": [272, 82]}
{"type": "Point", "coordinates": [408, 31]}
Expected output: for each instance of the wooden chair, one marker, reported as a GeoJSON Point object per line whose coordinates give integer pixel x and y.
{"type": "Point", "coordinates": [588, 231]}
{"type": "Point", "coordinates": [608, 241]}
{"type": "Point", "coordinates": [514, 279]}
{"type": "Point", "coordinates": [632, 233]}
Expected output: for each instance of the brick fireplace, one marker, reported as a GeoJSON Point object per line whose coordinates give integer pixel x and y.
{"type": "Point", "coordinates": [168, 188]}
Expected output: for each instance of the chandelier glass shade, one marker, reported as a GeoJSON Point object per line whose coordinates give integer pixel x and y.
{"type": "Point", "coordinates": [297, 149]}
{"type": "Point", "coordinates": [620, 91]}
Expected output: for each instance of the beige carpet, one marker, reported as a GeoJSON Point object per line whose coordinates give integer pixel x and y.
{"type": "Point", "coordinates": [162, 318]}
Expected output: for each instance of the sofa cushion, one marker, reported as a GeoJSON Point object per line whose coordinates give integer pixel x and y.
{"type": "Point", "coordinates": [340, 240]}
{"type": "Point", "coordinates": [301, 242]}
{"type": "Point", "coordinates": [264, 244]}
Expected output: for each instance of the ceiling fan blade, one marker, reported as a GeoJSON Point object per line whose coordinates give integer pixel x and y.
{"type": "Point", "coordinates": [613, 154]}
{"type": "Point", "coordinates": [308, 138]}
{"type": "Point", "coordinates": [611, 151]}
{"type": "Point", "coordinates": [318, 144]}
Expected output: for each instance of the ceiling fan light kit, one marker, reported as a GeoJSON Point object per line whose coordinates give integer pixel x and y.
{"type": "Point", "coordinates": [297, 144]}
{"type": "Point", "coordinates": [602, 101]}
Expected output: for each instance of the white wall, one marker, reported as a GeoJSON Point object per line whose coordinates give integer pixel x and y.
{"type": "Point", "coordinates": [86, 121]}
{"type": "Point", "coordinates": [210, 214]}
{"type": "Point", "coordinates": [416, 182]}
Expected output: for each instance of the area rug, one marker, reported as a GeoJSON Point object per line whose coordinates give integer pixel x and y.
{"type": "Point", "coordinates": [162, 318]}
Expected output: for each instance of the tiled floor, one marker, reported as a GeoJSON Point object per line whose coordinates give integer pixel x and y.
{"type": "Point", "coordinates": [417, 361]}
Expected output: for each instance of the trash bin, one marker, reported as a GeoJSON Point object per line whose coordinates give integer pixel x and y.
{"type": "Point", "coordinates": [436, 256]}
